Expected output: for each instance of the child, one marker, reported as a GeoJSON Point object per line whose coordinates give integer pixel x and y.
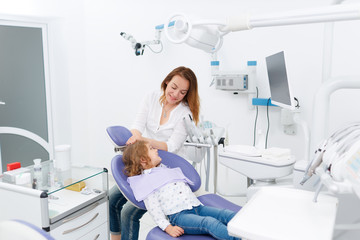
{"type": "Point", "coordinates": [168, 197]}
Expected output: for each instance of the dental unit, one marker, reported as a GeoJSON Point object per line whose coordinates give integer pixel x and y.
{"type": "Point", "coordinates": [334, 160]}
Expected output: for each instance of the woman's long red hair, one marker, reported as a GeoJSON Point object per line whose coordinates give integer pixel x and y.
{"type": "Point", "coordinates": [191, 98]}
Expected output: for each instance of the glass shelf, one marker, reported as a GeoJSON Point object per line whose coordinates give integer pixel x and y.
{"type": "Point", "coordinates": [62, 196]}
{"type": "Point", "coordinates": [54, 180]}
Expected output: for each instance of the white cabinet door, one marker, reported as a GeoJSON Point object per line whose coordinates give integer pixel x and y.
{"type": "Point", "coordinates": [80, 226]}
{"type": "Point", "coordinates": [99, 233]}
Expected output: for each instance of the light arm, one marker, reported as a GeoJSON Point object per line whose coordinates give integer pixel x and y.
{"type": "Point", "coordinates": [210, 32]}
{"type": "Point", "coordinates": [303, 16]}
{"type": "Point", "coordinates": [183, 29]}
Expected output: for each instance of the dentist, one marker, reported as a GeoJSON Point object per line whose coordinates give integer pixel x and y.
{"type": "Point", "coordinates": [159, 122]}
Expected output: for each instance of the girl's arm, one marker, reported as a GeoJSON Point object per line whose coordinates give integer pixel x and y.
{"type": "Point", "coordinates": [153, 206]}
{"type": "Point", "coordinates": [174, 231]}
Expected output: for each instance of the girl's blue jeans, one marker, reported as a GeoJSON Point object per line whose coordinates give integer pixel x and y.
{"type": "Point", "coordinates": [124, 218]}
{"type": "Point", "coordinates": [204, 220]}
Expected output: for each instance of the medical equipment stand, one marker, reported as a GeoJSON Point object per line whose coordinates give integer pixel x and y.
{"type": "Point", "coordinates": [207, 146]}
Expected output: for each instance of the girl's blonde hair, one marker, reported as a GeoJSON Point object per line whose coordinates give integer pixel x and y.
{"type": "Point", "coordinates": [191, 98]}
{"type": "Point", "coordinates": [132, 156]}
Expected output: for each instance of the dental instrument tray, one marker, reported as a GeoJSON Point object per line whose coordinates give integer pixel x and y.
{"type": "Point", "coordinates": [244, 150]}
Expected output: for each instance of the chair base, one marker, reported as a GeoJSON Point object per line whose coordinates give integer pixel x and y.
{"type": "Point", "coordinates": [157, 234]}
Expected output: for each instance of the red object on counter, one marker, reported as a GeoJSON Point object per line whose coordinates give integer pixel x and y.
{"type": "Point", "coordinates": [12, 166]}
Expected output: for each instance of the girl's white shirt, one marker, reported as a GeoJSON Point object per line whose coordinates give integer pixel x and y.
{"type": "Point", "coordinates": [169, 199]}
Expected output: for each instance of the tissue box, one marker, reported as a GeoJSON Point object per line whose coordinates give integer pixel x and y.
{"type": "Point", "coordinates": [20, 176]}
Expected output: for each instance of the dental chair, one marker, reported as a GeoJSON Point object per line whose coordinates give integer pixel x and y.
{"type": "Point", "coordinates": [19, 229]}
{"type": "Point", "coordinates": [119, 135]}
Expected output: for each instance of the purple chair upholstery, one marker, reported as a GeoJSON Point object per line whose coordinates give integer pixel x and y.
{"type": "Point", "coordinates": [119, 135]}
{"type": "Point", "coordinates": [169, 159]}
{"type": "Point", "coordinates": [217, 201]}
{"type": "Point", "coordinates": [157, 234]}
{"type": "Point", "coordinates": [20, 229]}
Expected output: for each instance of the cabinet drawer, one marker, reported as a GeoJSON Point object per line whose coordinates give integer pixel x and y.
{"type": "Point", "coordinates": [99, 233]}
{"type": "Point", "coordinates": [81, 222]}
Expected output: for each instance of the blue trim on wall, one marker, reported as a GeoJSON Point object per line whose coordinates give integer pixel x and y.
{"type": "Point", "coordinates": [262, 102]}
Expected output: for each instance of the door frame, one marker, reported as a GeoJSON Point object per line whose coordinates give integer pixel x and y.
{"type": "Point", "coordinates": [43, 25]}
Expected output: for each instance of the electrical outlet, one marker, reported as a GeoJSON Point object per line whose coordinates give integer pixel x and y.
{"type": "Point", "coordinates": [287, 117]}
{"type": "Point", "coordinates": [290, 129]}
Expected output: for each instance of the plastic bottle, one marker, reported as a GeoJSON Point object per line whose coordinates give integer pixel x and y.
{"type": "Point", "coordinates": [51, 176]}
{"type": "Point", "coordinates": [38, 173]}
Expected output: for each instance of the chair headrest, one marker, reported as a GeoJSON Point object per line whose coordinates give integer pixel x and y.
{"type": "Point", "coordinates": [169, 159]}
{"type": "Point", "coordinates": [118, 135]}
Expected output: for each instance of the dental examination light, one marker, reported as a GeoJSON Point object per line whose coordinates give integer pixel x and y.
{"type": "Point", "coordinates": [203, 35]}
{"type": "Point", "coordinates": [208, 34]}
{"type": "Point", "coordinates": [139, 47]}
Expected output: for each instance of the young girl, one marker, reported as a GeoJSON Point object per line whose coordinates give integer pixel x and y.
{"type": "Point", "coordinates": [168, 197]}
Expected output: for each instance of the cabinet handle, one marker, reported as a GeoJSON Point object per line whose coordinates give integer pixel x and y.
{"type": "Point", "coordinates": [72, 218]}
{"type": "Point", "coordinates": [97, 236]}
{"type": "Point", "coordinates": [73, 229]}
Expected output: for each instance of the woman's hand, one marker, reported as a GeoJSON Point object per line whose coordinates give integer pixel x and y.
{"type": "Point", "coordinates": [133, 139]}
{"type": "Point", "coordinates": [174, 231]}
{"type": "Point", "coordinates": [136, 135]}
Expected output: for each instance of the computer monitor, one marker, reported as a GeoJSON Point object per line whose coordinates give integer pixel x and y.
{"type": "Point", "coordinates": [278, 81]}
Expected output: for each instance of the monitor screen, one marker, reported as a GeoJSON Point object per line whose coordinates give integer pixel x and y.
{"type": "Point", "coordinates": [278, 81]}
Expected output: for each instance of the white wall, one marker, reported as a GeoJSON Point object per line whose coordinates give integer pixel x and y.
{"type": "Point", "coordinates": [98, 81]}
